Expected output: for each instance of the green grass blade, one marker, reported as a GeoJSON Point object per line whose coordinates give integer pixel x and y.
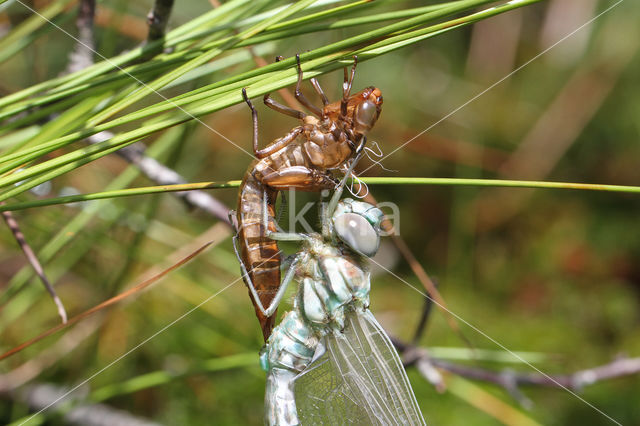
{"type": "Point", "coordinates": [368, 180]}
{"type": "Point", "coordinates": [162, 81]}
{"type": "Point", "coordinates": [156, 378]}
{"type": "Point", "coordinates": [15, 40]}
{"type": "Point", "coordinates": [323, 58]}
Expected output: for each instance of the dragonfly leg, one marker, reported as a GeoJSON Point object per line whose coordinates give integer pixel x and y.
{"type": "Point", "coordinates": [254, 119]}
{"type": "Point", "coordinates": [279, 235]}
{"type": "Point", "coordinates": [277, 144]}
{"type": "Point", "coordinates": [346, 87]}
{"type": "Point", "coordinates": [316, 85]}
{"type": "Point", "coordinates": [287, 261]}
{"type": "Point", "coordinates": [268, 101]}
{"type": "Point", "coordinates": [274, 105]}
{"type": "Point", "coordinates": [252, 289]}
{"type": "Point", "coordinates": [300, 96]}
{"type": "Point", "coordinates": [232, 215]}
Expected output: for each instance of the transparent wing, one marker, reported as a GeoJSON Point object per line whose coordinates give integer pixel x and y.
{"type": "Point", "coordinates": [359, 380]}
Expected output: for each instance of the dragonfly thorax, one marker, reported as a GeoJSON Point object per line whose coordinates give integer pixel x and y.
{"type": "Point", "coordinates": [326, 142]}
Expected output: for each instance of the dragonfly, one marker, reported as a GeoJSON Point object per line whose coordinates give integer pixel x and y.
{"type": "Point", "coordinates": [303, 159]}
{"type": "Point", "coordinates": [329, 361]}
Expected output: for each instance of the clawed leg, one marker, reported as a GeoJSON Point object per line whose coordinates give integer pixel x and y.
{"type": "Point", "coordinates": [279, 235]}
{"type": "Point", "coordinates": [346, 87]}
{"type": "Point", "coordinates": [300, 96]}
{"type": "Point", "coordinates": [287, 261]}
{"type": "Point", "coordinates": [254, 120]}
{"type": "Point", "coordinates": [232, 214]}
{"type": "Point", "coordinates": [316, 85]}
{"type": "Point", "coordinates": [268, 101]}
{"type": "Point", "coordinates": [252, 289]}
{"type": "Point", "coordinates": [277, 145]}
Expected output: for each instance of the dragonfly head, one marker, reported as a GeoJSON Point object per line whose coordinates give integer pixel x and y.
{"type": "Point", "coordinates": [366, 106]}
{"type": "Point", "coordinates": [361, 112]}
{"type": "Point", "coordinates": [357, 225]}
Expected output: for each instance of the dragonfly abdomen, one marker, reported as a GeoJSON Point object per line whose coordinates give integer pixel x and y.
{"type": "Point", "coordinates": [289, 167]}
{"type": "Point", "coordinates": [289, 351]}
{"type": "Point", "coordinates": [260, 254]}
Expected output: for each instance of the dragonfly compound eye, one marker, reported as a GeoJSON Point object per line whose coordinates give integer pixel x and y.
{"type": "Point", "coordinates": [356, 232]}
{"type": "Point", "coordinates": [366, 116]}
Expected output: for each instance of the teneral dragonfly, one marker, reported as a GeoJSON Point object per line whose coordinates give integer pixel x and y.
{"type": "Point", "coordinates": [329, 361]}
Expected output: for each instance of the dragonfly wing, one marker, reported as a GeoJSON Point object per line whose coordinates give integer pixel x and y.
{"type": "Point", "coordinates": [359, 380]}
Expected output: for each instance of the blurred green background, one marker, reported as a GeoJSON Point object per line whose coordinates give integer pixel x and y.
{"type": "Point", "coordinates": [552, 272]}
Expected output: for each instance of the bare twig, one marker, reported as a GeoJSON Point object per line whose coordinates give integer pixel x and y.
{"type": "Point", "coordinates": [158, 18]}
{"type": "Point", "coordinates": [163, 175]}
{"type": "Point", "coordinates": [510, 380]}
{"type": "Point", "coordinates": [33, 260]}
{"type": "Point", "coordinates": [82, 55]}
{"type": "Point", "coordinates": [42, 396]}
{"type": "Point", "coordinates": [426, 312]}
{"type": "Point", "coordinates": [574, 381]}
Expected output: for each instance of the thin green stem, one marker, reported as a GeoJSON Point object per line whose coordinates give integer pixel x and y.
{"type": "Point", "coordinates": [368, 180]}
{"type": "Point", "coordinates": [15, 40]}
{"type": "Point", "coordinates": [500, 183]}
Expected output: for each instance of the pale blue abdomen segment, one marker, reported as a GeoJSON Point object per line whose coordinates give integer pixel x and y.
{"type": "Point", "coordinates": [288, 351]}
{"type": "Point", "coordinates": [279, 399]}
{"type": "Point", "coordinates": [291, 345]}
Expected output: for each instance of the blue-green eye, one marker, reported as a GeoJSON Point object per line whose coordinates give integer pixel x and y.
{"type": "Point", "coordinates": [356, 232]}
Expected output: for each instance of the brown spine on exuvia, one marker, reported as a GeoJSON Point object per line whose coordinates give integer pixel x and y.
{"type": "Point", "coordinates": [260, 254]}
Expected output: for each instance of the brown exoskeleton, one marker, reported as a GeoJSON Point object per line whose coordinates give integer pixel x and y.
{"type": "Point", "coordinates": [302, 159]}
